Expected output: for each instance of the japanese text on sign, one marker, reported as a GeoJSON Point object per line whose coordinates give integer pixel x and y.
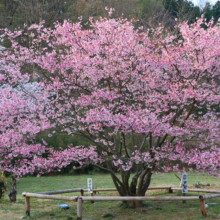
{"type": "Point", "coordinates": [90, 186]}
{"type": "Point", "coordinates": [184, 183]}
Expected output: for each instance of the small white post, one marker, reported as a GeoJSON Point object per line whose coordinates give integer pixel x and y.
{"type": "Point", "coordinates": [90, 187]}
{"type": "Point", "coordinates": [184, 185]}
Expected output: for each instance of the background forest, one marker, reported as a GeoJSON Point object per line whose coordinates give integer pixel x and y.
{"type": "Point", "coordinates": [14, 13]}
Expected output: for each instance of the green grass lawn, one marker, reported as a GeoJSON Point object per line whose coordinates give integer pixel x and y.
{"type": "Point", "coordinates": [158, 210]}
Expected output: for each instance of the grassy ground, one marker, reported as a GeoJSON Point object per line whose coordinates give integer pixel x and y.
{"type": "Point", "coordinates": [152, 210]}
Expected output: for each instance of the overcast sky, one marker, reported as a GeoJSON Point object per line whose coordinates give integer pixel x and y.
{"type": "Point", "coordinates": [202, 2]}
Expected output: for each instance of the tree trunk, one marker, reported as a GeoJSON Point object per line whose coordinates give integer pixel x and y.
{"type": "Point", "coordinates": [144, 177]}
{"type": "Point", "coordinates": [13, 192]}
{"type": "Point", "coordinates": [134, 204]}
{"type": "Point", "coordinates": [1, 193]}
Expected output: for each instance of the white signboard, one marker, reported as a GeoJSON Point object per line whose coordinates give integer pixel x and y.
{"type": "Point", "coordinates": [90, 186]}
{"type": "Point", "coordinates": [184, 183]}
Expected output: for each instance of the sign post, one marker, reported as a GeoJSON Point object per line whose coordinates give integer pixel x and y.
{"type": "Point", "coordinates": [184, 185]}
{"type": "Point", "coordinates": [90, 187]}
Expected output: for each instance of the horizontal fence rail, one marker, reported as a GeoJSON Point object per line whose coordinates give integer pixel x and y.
{"type": "Point", "coordinates": [114, 189]}
{"type": "Point", "coordinates": [63, 191]}
{"type": "Point", "coordinates": [41, 196]}
{"type": "Point", "coordinates": [97, 190]}
{"type": "Point", "coordinates": [211, 196]}
{"type": "Point", "coordinates": [198, 190]}
{"type": "Point", "coordinates": [135, 198]}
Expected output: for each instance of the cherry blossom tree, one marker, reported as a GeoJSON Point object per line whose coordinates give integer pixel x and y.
{"type": "Point", "coordinates": [144, 99]}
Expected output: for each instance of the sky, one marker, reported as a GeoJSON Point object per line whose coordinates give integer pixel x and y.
{"type": "Point", "coordinates": [202, 2]}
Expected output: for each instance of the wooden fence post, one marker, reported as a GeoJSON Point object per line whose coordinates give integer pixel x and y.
{"type": "Point", "coordinates": [184, 194]}
{"type": "Point", "coordinates": [94, 191]}
{"type": "Point", "coordinates": [79, 208]}
{"type": "Point", "coordinates": [82, 192]}
{"type": "Point", "coordinates": [91, 194]}
{"type": "Point", "coordinates": [27, 205]}
{"type": "Point", "coordinates": [170, 190]}
{"type": "Point", "coordinates": [202, 205]}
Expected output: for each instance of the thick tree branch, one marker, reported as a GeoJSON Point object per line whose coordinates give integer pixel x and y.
{"type": "Point", "coordinates": [134, 181]}
{"type": "Point", "coordinates": [90, 138]}
{"type": "Point", "coordinates": [143, 142]}
{"type": "Point", "coordinates": [187, 116]}
{"type": "Point", "coordinates": [140, 185]}
{"type": "Point", "coordinates": [124, 143]}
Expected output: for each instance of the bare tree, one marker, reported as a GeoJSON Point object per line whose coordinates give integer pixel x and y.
{"type": "Point", "coordinates": [15, 13]}
{"type": "Point", "coordinates": [151, 13]}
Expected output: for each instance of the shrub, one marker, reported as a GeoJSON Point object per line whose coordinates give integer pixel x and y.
{"type": "Point", "coordinates": [3, 183]}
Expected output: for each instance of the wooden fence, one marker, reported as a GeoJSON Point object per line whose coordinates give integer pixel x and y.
{"type": "Point", "coordinates": [80, 199]}
{"type": "Point", "coordinates": [100, 190]}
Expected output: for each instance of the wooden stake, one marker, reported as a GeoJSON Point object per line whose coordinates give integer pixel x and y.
{"type": "Point", "coordinates": [170, 190]}
{"type": "Point", "coordinates": [81, 192]}
{"type": "Point", "coordinates": [91, 194]}
{"type": "Point", "coordinates": [94, 191]}
{"type": "Point", "coordinates": [79, 209]}
{"type": "Point", "coordinates": [178, 177]}
{"type": "Point", "coordinates": [27, 205]}
{"type": "Point", "coordinates": [184, 194]}
{"type": "Point", "coordinates": [203, 206]}
{"type": "Point", "coordinates": [180, 183]}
